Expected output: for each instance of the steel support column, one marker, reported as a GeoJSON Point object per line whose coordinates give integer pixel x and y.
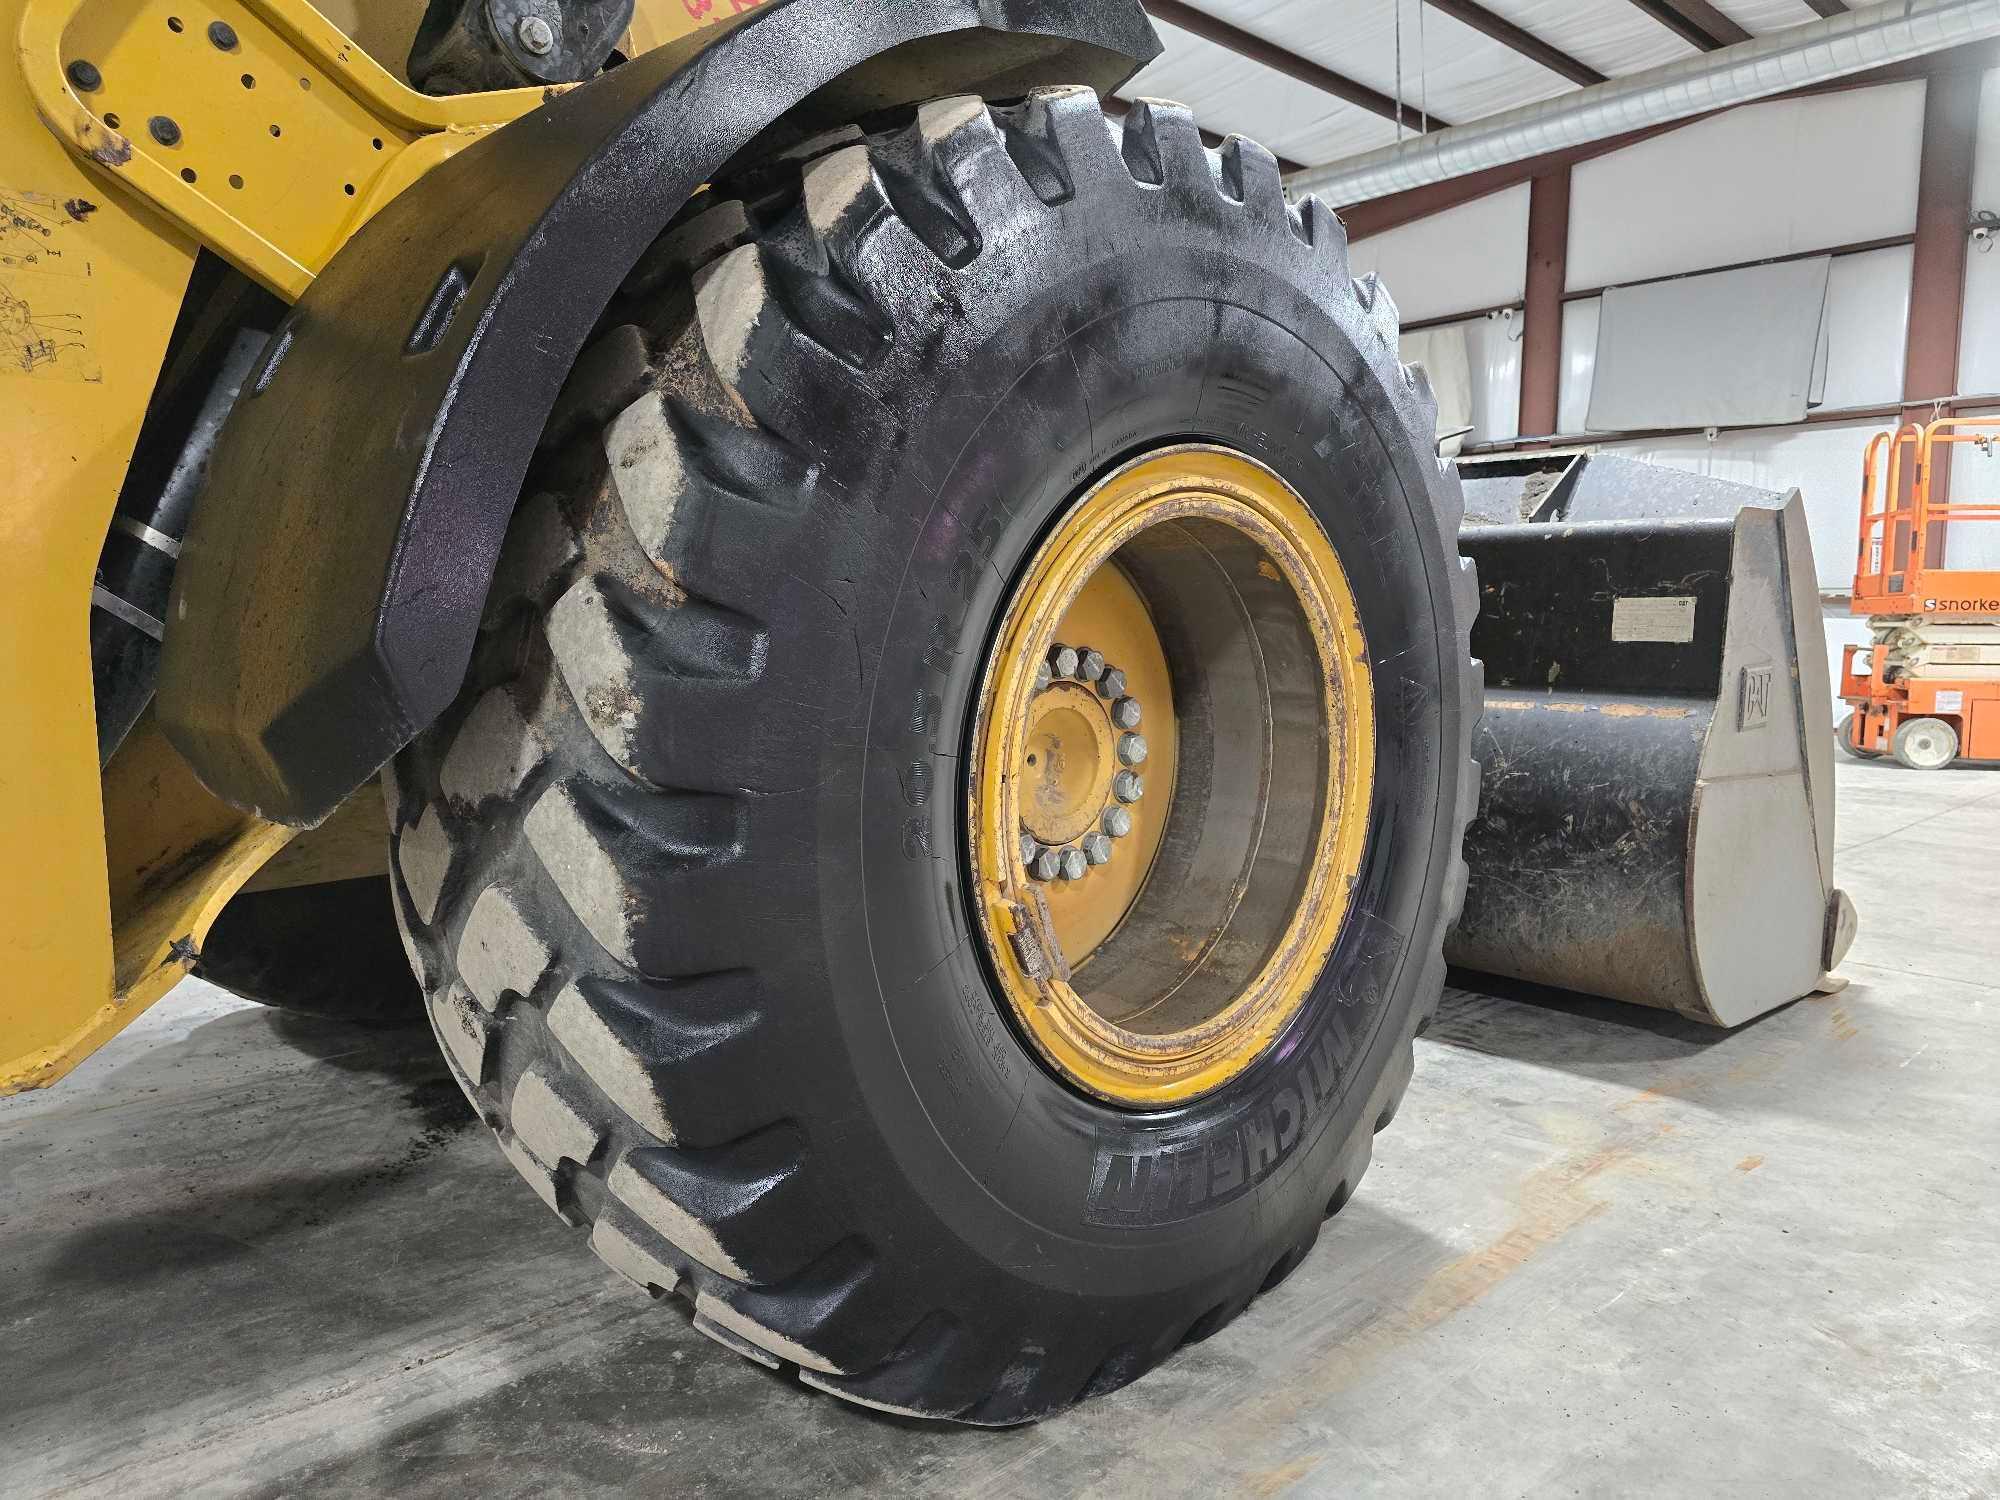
{"type": "Point", "coordinates": [1541, 333]}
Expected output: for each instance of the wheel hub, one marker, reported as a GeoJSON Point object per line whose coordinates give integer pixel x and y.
{"type": "Point", "coordinates": [1083, 764]}
{"type": "Point", "coordinates": [1174, 757]}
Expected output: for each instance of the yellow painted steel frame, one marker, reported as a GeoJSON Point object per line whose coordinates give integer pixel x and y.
{"type": "Point", "coordinates": [273, 152]}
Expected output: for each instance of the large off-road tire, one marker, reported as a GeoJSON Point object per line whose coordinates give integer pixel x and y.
{"type": "Point", "coordinates": [684, 871]}
{"type": "Point", "coordinates": [323, 950]}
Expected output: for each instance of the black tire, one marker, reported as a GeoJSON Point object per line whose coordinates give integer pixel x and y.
{"type": "Point", "coordinates": [1844, 737]}
{"type": "Point", "coordinates": [323, 950]}
{"type": "Point", "coordinates": [682, 870]}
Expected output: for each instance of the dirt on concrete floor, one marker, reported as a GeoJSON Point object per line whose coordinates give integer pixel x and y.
{"type": "Point", "coordinates": [1601, 1251]}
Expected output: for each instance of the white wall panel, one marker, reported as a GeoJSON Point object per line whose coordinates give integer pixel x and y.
{"type": "Point", "coordinates": [1975, 476]}
{"type": "Point", "coordinates": [1979, 339]}
{"type": "Point", "coordinates": [1493, 346]}
{"type": "Point", "coordinates": [1579, 364]}
{"type": "Point", "coordinates": [1821, 459]}
{"type": "Point", "coordinates": [1769, 179]}
{"type": "Point", "coordinates": [1493, 358]}
{"type": "Point", "coordinates": [1868, 314]}
{"type": "Point", "coordinates": [1466, 259]}
{"type": "Point", "coordinates": [1867, 318]}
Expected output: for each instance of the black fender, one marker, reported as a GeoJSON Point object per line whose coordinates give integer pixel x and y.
{"type": "Point", "coordinates": [334, 574]}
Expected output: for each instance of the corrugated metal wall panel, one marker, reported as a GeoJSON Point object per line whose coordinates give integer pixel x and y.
{"type": "Point", "coordinates": [1767, 179]}
{"type": "Point", "coordinates": [1464, 260]}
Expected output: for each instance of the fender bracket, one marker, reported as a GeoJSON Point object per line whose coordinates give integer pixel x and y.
{"type": "Point", "coordinates": [333, 577]}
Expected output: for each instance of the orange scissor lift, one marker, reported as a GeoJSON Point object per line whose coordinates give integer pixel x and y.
{"type": "Point", "coordinates": [1926, 689]}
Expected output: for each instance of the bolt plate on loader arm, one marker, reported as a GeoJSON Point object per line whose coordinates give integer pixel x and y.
{"type": "Point", "coordinates": [333, 578]}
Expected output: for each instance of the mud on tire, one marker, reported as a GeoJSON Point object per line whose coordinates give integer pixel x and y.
{"type": "Point", "coordinates": [681, 872]}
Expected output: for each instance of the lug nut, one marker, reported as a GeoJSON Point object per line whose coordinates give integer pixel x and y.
{"type": "Point", "coordinates": [1111, 684]}
{"type": "Point", "coordinates": [1125, 713]}
{"type": "Point", "coordinates": [536, 36]}
{"type": "Point", "coordinates": [1097, 848]}
{"type": "Point", "coordinates": [1029, 848]}
{"type": "Point", "coordinates": [1090, 665]}
{"type": "Point", "coordinates": [1062, 660]}
{"type": "Point", "coordinates": [84, 75]}
{"type": "Point", "coordinates": [1045, 865]}
{"type": "Point", "coordinates": [1117, 821]}
{"type": "Point", "coordinates": [1074, 864]}
{"type": "Point", "coordinates": [1131, 749]}
{"type": "Point", "coordinates": [1127, 786]}
{"type": "Point", "coordinates": [1043, 678]}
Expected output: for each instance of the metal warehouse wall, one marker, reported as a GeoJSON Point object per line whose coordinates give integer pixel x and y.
{"type": "Point", "coordinates": [1834, 172]}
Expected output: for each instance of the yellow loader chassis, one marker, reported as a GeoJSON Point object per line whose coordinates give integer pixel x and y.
{"type": "Point", "coordinates": [145, 129]}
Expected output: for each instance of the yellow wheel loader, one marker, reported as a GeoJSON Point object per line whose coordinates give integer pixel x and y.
{"type": "Point", "coordinates": [908, 638]}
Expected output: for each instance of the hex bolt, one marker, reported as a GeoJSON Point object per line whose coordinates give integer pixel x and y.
{"type": "Point", "coordinates": [1090, 666]}
{"type": "Point", "coordinates": [1074, 864]}
{"type": "Point", "coordinates": [1111, 684]}
{"type": "Point", "coordinates": [84, 76]}
{"type": "Point", "coordinates": [1125, 713]}
{"type": "Point", "coordinates": [1062, 660]}
{"type": "Point", "coordinates": [1127, 786]}
{"type": "Point", "coordinates": [1131, 749]}
{"type": "Point", "coordinates": [164, 130]}
{"type": "Point", "coordinates": [1046, 865]}
{"type": "Point", "coordinates": [536, 36]}
{"type": "Point", "coordinates": [223, 35]}
{"type": "Point", "coordinates": [1029, 848]}
{"type": "Point", "coordinates": [1097, 848]}
{"type": "Point", "coordinates": [1117, 821]}
{"type": "Point", "coordinates": [1043, 678]}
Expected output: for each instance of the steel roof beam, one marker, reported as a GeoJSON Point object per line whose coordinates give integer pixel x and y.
{"type": "Point", "coordinates": [1270, 55]}
{"type": "Point", "coordinates": [1695, 22]}
{"type": "Point", "coordinates": [1530, 46]}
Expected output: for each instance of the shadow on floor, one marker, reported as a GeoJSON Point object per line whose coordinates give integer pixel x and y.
{"type": "Point", "coordinates": [1511, 1018]}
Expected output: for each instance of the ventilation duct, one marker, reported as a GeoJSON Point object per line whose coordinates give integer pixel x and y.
{"type": "Point", "coordinates": [1798, 57]}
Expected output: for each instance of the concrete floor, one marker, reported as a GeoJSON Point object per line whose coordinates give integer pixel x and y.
{"type": "Point", "coordinates": [1601, 1252]}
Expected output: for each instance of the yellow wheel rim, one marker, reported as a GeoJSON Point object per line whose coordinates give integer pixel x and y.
{"type": "Point", "coordinates": [1154, 934]}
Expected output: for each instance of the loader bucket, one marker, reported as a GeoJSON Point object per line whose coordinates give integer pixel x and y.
{"type": "Point", "coordinates": [1656, 804]}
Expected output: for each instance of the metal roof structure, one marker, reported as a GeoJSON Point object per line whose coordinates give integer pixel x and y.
{"type": "Point", "coordinates": [1318, 80]}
